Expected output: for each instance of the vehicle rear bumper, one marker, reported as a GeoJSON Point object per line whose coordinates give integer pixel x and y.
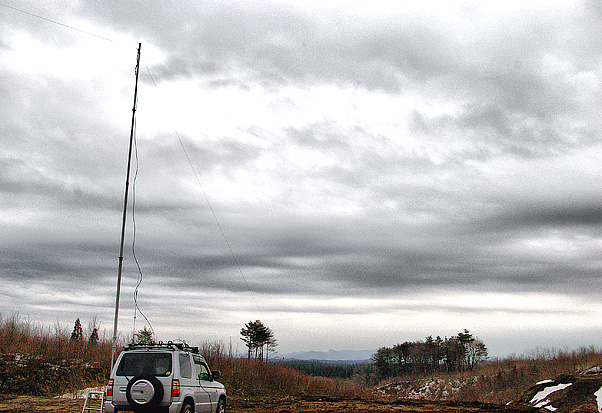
{"type": "Point", "coordinates": [175, 407]}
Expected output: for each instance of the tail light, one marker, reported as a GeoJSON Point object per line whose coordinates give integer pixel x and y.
{"type": "Point", "coordinates": [110, 388]}
{"type": "Point", "coordinates": [175, 388]}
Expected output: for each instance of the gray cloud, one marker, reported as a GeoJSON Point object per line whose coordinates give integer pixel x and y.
{"type": "Point", "coordinates": [363, 156]}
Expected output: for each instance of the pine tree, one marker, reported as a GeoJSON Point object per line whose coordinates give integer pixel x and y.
{"type": "Point", "coordinates": [144, 337]}
{"type": "Point", "coordinates": [93, 336]}
{"type": "Point", "coordinates": [259, 340]}
{"type": "Point", "coordinates": [78, 332]}
{"type": "Point", "coordinates": [92, 330]}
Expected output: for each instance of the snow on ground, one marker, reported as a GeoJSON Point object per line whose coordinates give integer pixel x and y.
{"type": "Point", "coordinates": [541, 398]}
{"type": "Point", "coordinates": [598, 395]}
{"type": "Point", "coordinates": [81, 394]}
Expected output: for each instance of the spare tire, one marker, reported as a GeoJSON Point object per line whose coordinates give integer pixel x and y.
{"type": "Point", "coordinates": [144, 392]}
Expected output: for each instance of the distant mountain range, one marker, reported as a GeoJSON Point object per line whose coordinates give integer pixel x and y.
{"type": "Point", "coordinates": [330, 355]}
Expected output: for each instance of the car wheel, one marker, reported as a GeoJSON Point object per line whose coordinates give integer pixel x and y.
{"type": "Point", "coordinates": [187, 408]}
{"type": "Point", "coordinates": [221, 406]}
{"type": "Point", "coordinates": [144, 392]}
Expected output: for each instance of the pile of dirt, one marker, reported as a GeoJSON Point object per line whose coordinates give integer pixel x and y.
{"type": "Point", "coordinates": [568, 393]}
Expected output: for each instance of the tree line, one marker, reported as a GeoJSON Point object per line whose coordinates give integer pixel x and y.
{"type": "Point", "coordinates": [322, 368]}
{"type": "Point", "coordinates": [454, 354]}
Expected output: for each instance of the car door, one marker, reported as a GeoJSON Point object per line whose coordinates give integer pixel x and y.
{"type": "Point", "coordinates": [189, 385]}
{"type": "Point", "coordinates": [204, 402]}
{"type": "Point", "coordinates": [211, 387]}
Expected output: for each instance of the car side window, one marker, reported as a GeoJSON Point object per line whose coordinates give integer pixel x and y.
{"type": "Point", "coordinates": [185, 368]}
{"type": "Point", "coordinates": [202, 372]}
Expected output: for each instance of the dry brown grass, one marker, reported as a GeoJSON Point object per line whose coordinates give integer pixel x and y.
{"type": "Point", "coordinates": [37, 360]}
{"type": "Point", "coordinates": [498, 381]}
{"type": "Point", "coordinates": [42, 361]}
{"type": "Point", "coordinates": [23, 336]}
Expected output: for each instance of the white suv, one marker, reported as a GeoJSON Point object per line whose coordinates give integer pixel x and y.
{"type": "Point", "coordinates": [170, 378]}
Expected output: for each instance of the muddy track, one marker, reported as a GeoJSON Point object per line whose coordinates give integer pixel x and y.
{"type": "Point", "coordinates": [293, 404]}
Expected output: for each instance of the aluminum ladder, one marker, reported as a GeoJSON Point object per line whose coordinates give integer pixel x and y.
{"type": "Point", "coordinates": [94, 402]}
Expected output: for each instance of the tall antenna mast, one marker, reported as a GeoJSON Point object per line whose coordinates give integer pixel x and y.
{"type": "Point", "coordinates": [125, 206]}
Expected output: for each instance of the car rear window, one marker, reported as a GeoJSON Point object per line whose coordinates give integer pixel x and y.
{"type": "Point", "coordinates": [154, 364]}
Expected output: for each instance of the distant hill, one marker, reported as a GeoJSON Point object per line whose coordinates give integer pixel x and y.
{"type": "Point", "coordinates": [330, 355]}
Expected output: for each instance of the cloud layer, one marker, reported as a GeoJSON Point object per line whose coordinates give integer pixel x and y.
{"type": "Point", "coordinates": [413, 171]}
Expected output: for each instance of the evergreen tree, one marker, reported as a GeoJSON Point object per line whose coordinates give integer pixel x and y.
{"type": "Point", "coordinates": [92, 330]}
{"type": "Point", "coordinates": [93, 336]}
{"type": "Point", "coordinates": [78, 332]}
{"type": "Point", "coordinates": [466, 341]}
{"type": "Point", "coordinates": [259, 340]}
{"type": "Point", "coordinates": [383, 360]}
{"type": "Point", "coordinates": [144, 337]}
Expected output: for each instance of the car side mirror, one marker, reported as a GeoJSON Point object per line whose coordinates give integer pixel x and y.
{"type": "Point", "coordinates": [216, 374]}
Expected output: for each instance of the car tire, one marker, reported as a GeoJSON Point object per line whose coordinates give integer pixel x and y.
{"type": "Point", "coordinates": [150, 388]}
{"type": "Point", "coordinates": [221, 406]}
{"type": "Point", "coordinates": [187, 408]}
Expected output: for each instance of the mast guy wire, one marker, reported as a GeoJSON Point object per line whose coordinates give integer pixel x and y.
{"type": "Point", "coordinates": [54, 22]}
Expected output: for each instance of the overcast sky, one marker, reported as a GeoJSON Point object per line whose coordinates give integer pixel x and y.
{"type": "Point", "coordinates": [354, 174]}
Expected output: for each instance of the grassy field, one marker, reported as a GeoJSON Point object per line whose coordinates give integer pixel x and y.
{"type": "Point", "coordinates": [47, 362]}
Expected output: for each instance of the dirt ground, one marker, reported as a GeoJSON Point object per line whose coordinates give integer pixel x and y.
{"type": "Point", "coordinates": [296, 404]}
{"type": "Point", "coordinates": [305, 404]}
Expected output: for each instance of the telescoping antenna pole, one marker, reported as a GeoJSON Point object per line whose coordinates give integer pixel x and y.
{"type": "Point", "coordinates": [125, 206]}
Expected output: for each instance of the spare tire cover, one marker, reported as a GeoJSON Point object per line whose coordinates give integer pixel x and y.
{"type": "Point", "coordinates": [144, 392]}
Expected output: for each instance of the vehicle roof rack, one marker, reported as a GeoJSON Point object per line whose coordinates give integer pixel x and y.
{"type": "Point", "coordinates": [170, 345]}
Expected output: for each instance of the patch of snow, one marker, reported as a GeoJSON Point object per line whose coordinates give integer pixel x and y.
{"type": "Point", "coordinates": [540, 399]}
{"type": "Point", "coordinates": [81, 394]}
{"type": "Point", "coordinates": [544, 382]}
{"type": "Point", "coordinates": [546, 405]}
{"type": "Point", "coordinates": [435, 389]}
{"type": "Point", "coordinates": [598, 395]}
{"type": "Point", "coordinates": [594, 370]}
